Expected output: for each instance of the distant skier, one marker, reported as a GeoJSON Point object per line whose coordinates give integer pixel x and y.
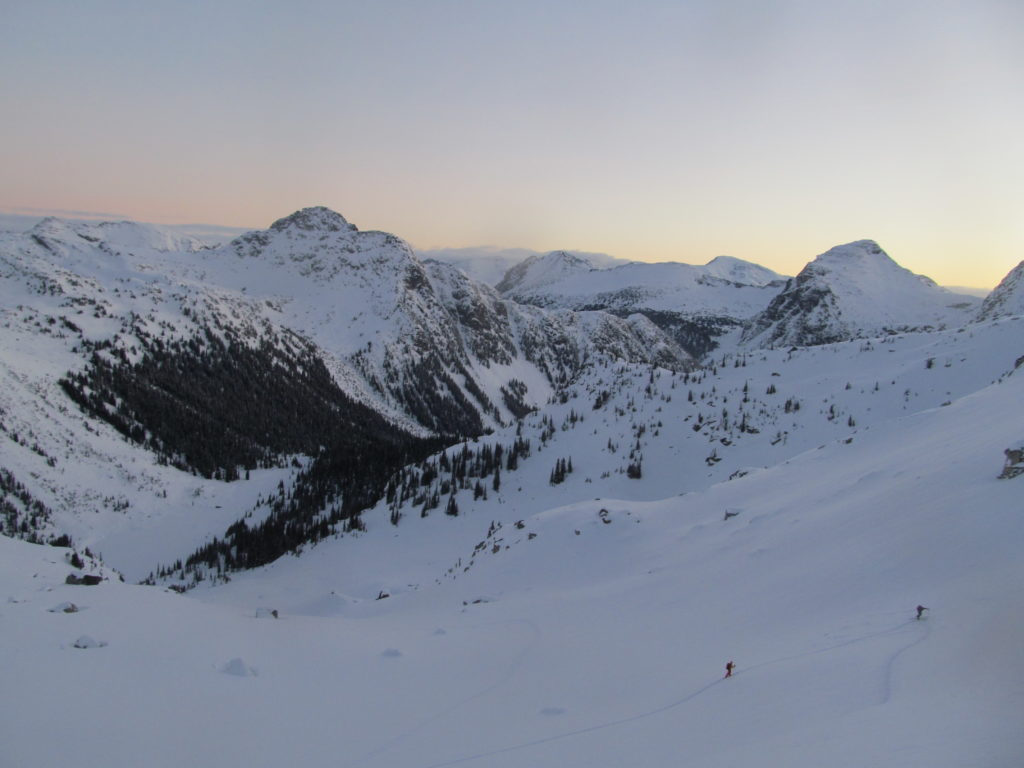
{"type": "Point", "coordinates": [920, 611]}
{"type": "Point", "coordinates": [728, 669]}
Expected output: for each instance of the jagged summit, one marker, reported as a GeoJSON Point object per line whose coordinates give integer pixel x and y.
{"type": "Point", "coordinates": [314, 218]}
{"type": "Point", "coordinates": [1007, 298]}
{"type": "Point", "coordinates": [320, 243]}
{"type": "Point", "coordinates": [858, 249]}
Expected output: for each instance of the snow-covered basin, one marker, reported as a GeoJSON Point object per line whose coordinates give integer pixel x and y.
{"type": "Point", "coordinates": [604, 647]}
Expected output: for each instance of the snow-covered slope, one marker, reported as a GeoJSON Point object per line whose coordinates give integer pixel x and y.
{"type": "Point", "coordinates": [855, 290]}
{"type": "Point", "coordinates": [543, 626]}
{"type": "Point", "coordinates": [1007, 299]}
{"type": "Point", "coordinates": [128, 236]}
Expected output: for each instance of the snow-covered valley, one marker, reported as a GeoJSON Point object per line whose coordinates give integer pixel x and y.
{"type": "Point", "coordinates": [786, 509]}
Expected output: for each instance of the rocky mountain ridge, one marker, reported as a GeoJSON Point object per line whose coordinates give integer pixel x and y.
{"type": "Point", "coordinates": [853, 290]}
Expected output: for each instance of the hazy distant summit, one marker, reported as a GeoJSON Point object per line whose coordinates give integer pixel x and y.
{"type": "Point", "coordinates": [116, 235]}
{"type": "Point", "coordinates": [742, 272]}
{"type": "Point", "coordinates": [543, 270]}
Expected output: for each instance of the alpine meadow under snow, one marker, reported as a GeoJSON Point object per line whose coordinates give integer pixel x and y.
{"type": "Point", "coordinates": [307, 498]}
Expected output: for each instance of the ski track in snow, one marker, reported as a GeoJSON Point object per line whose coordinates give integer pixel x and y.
{"type": "Point", "coordinates": [886, 693]}
{"type": "Point", "coordinates": [887, 680]}
{"type": "Point", "coordinates": [510, 671]}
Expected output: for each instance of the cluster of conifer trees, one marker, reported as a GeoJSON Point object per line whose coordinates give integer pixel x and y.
{"type": "Point", "coordinates": [22, 516]}
{"type": "Point", "coordinates": [424, 484]}
{"type": "Point", "coordinates": [562, 468]}
{"type": "Point", "coordinates": [213, 405]}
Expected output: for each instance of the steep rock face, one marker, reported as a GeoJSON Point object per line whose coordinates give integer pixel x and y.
{"type": "Point", "coordinates": [694, 305]}
{"type": "Point", "coordinates": [854, 290]}
{"type": "Point", "coordinates": [480, 317]}
{"type": "Point", "coordinates": [1007, 299]}
{"type": "Point", "coordinates": [556, 341]}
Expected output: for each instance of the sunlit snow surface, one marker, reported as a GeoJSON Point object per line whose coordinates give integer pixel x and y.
{"type": "Point", "coordinates": [601, 639]}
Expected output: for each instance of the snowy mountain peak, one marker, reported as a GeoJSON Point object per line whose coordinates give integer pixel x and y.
{"type": "Point", "coordinates": [543, 269]}
{"type": "Point", "coordinates": [320, 244]}
{"type": "Point", "coordinates": [859, 254]}
{"type": "Point", "coordinates": [318, 218]}
{"type": "Point", "coordinates": [854, 249]}
{"type": "Point", "coordinates": [1007, 298]}
{"type": "Point", "coordinates": [854, 290]}
{"type": "Point", "coordinates": [865, 260]}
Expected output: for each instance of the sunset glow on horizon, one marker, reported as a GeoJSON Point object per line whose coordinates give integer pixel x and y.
{"type": "Point", "coordinates": [652, 131]}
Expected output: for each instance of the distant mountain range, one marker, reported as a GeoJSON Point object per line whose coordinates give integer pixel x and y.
{"type": "Point", "coordinates": [312, 338]}
{"type": "Point", "coordinates": [847, 292]}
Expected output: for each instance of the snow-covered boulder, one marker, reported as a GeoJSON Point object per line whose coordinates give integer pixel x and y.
{"type": "Point", "coordinates": [238, 668]}
{"type": "Point", "coordinates": [1014, 462]}
{"type": "Point", "coordinates": [87, 641]}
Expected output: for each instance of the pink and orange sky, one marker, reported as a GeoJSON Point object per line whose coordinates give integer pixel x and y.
{"type": "Point", "coordinates": [650, 130]}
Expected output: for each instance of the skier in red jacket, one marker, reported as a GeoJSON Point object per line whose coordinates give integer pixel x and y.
{"type": "Point", "coordinates": [728, 669]}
